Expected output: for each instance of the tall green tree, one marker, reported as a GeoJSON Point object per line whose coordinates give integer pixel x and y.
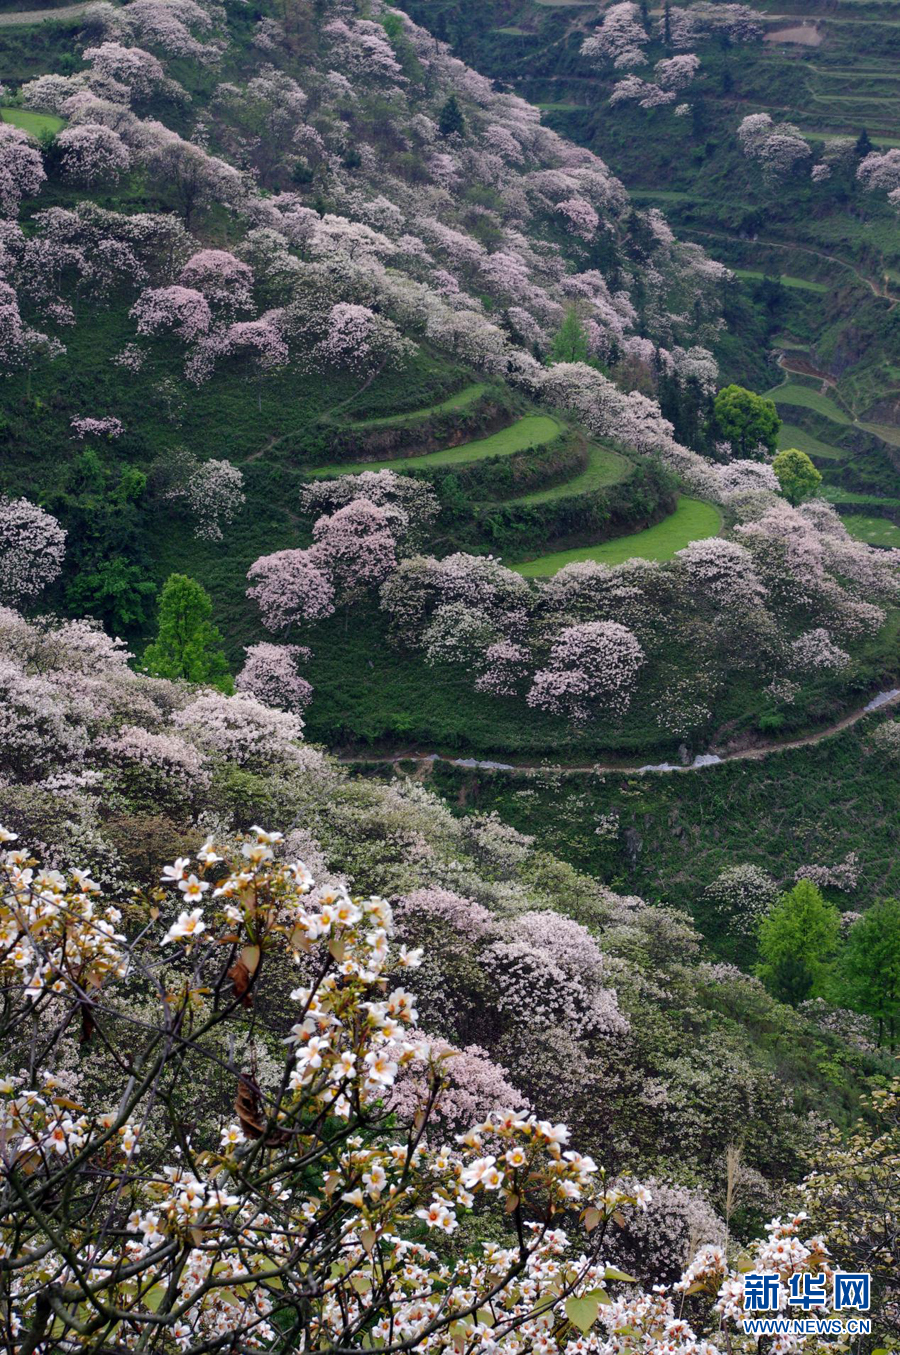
{"type": "Point", "coordinates": [863, 144]}
{"type": "Point", "coordinates": [451, 118]}
{"type": "Point", "coordinates": [187, 644]}
{"type": "Point", "coordinates": [746, 419]}
{"type": "Point", "coordinates": [571, 341]}
{"type": "Point", "coordinates": [798, 941]}
{"type": "Point", "coordinates": [870, 968]}
{"type": "Point", "coordinates": [796, 474]}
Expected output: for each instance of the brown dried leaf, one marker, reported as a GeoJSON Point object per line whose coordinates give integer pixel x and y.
{"type": "Point", "coordinates": [249, 1112]}
{"type": "Point", "coordinates": [240, 978]}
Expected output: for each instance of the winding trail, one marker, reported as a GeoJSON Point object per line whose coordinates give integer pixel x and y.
{"type": "Point", "coordinates": [42, 16]}
{"type": "Point", "coordinates": [755, 754]}
{"type": "Point", "coordinates": [873, 287]}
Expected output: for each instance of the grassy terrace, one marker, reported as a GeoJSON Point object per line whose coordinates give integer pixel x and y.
{"type": "Point", "coordinates": [802, 284]}
{"type": "Point", "coordinates": [604, 468]}
{"type": "Point", "coordinates": [533, 430]}
{"type": "Point", "coordinates": [692, 520]}
{"type": "Point", "coordinates": [875, 531]}
{"type": "Point", "coordinates": [35, 123]}
{"type": "Point", "coordinates": [790, 435]}
{"type": "Point", "coordinates": [459, 400]}
{"type": "Point", "coordinates": [791, 393]}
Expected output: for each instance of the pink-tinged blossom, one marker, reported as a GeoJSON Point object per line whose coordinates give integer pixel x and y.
{"type": "Point", "coordinates": [415, 499]}
{"type": "Point", "coordinates": [270, 674]}
{"type": "Point", "coordinates": [356, 544]}
{"type": "Point", "coordinates": [92, 154]}
{"type": "Point", "coordinates": [778, 147]}
{"type": "Point", "coordinates": [140, 72]}
{"type": "Point", "coordinates": [646, 94]}
{"type": "Point", "coordinates": [262, 339]}
{"type": "Point", "coordinates": [816, 651]}
{"type": "Point", "coordinates": [533, 983]}
{"type": "Point", "coordinates": [170, 757]}
{"type": "Point", "coordinates": [241, 729]}
{"type": "Point", "coordinates": [580, 216]}
{"type": "Point", "coordinates": [48, 93]}
{"type": "Point", "coordinates": [225, 281]}
{"type": "Point", "coordinates": [291, 587]}
{"type": "Point", "coordinates": [108, 427]}
{"type": "Point", "coordinates": [32, 548]}
{"type": "Point", "coordinates": [700, 22]}
{"type": "Point", "coordinates": [619, 38]}
{"type": "Point", "coordinates": [880, 171]}
{"type": "Point", "coordinates": [21, 168]}
{"type": "Point", "coordinates": [364, 50]}
{"type": "Point", "coordinates": [844, 876]}
{"type": "Point", "coordinates": [358, 340]}
{"type": "Point", "coordinates": [722, 572]}
{"type": "Point", "coordinates": [196, 179]}
{"type": "Point", "coordinates": [474, 1087]}
{"type": "Point", "coordinates": [177, 310]}
{"type": "Point", "coordinates": [504, 667]}
{"type": "Point", "coordinates": [591, 663]}
{"type": "Point", "coordinates": [421, 908]}
{"type": "Point", "coordinates": [676, 71]}
{"type": "Point", "coordinates": [168, 25]}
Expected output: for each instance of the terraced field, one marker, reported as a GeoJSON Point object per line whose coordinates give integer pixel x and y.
{"type": "Point", "coordinates": [801, 284]}
{"type": "Point", "coordinates": [791, 393]}
{"type": "Point", "coordinates": [35, 123]}
{"type": "Point", "coordinates": [604, 468]}
{"type": "Point", "coordinates": [461, 399]}
{"type": "Point", "coordinates": [874, 530]}
{"type": "Point", "coordinates": [692, 520]}
{"type": "Point", "coordinates": [790, 435]}
{"type": "Point", "coordinates": [532, 430]}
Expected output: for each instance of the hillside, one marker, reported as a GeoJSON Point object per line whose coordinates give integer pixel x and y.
{"type": "Point", "coordinates": [449, 674]}
{"type": "Point", "coordinates": [813, 245]}
{"type": "Point", "coordinates": [406, 272]}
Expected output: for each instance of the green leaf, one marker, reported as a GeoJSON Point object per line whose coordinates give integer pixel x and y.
{"type": "Point", "coordinates": [582, 1313]}
{"type": "Point", "coordinates": [611, 1274]}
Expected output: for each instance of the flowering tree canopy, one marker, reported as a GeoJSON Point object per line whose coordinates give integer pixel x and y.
{"type": "Point", "coordinates": [313, 1213]}
{"type": "Point", "coordinates": [32, 547]}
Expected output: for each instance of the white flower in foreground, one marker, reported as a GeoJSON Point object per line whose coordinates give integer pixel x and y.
{"type": "Point", "coordinates": [189, 925]}
{"type": "Point", "coordinates": [192, 888]}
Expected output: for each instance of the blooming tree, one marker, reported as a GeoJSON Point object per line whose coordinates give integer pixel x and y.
{"type": "Point", "coordinates": [32, 547]}
{"type": "Point", "coordinates": [778, 148]}
{"type": "Point", "coordinates": [291, 587]}
{"type": "Point", "coordinates": [182, 311]}
{"type": "Point", "coordinates": [310, 1216]}
{"type": "Point", "coordinates": [92, 154]}
{"type": "Point", "coordinates": [21, 168]}
{"type": "Point", "coordinates": [620, 38]}
{"type": "Point", "coordinates": [592, 662]}
{"type": "Point", "coordinates": [357, 545]}
{"type": "Point", "coordinates": [224, 280]}
{"type": "Point", "coordinates": [270, 674]}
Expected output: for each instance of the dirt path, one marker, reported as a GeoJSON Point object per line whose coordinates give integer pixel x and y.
{"type": "Point", "coordinates": [873, 287]}
{"type": "Point", "coordinates": [41, 16]}
{"type": "Point", "coordinates": [756, 754]}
